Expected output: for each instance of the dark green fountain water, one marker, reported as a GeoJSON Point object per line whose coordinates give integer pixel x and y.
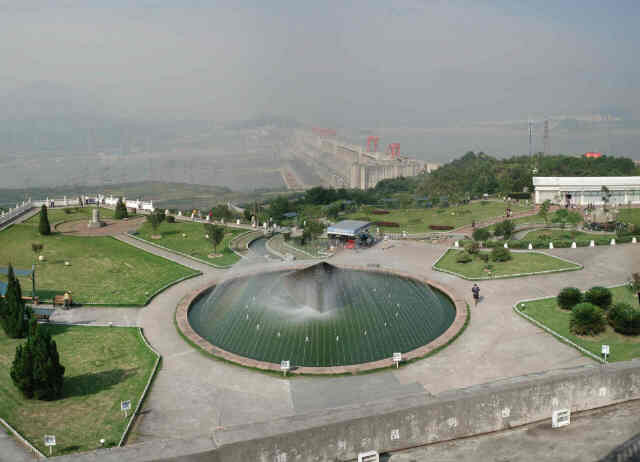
{"type": "Point", "coordinates": [321, 316]}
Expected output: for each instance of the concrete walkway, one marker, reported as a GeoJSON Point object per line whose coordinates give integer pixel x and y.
{"type": "Point", "coordinates": [13, 451]}
{"type": "Point", "coordinates": [193, 394]}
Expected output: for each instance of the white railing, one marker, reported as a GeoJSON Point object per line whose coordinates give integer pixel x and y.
{"type": "Point", "coordinates": [107, 201]}
{"type": "Point", "coordinates": [6, 217]}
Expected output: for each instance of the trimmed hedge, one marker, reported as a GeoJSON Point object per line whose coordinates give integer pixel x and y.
{"type": "Point", "coordinates": [599, 296]}
{"type": "Point", "coordinates": [463, 257]}
{"type": "Point", "coordinates": [625, 319]}
{"type": "Point", "coordinates": [569, 297]}
{"type": "Point", "coordinates": [387, 224]}
{"type": "Point", "coordinates": [587, 319]}
{"type": "Point", "coordinates": [440, 227]}
{"type": "Point", "coordinates": [500, 254]}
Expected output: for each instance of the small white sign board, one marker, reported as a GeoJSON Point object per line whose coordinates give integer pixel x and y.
{"type": "Point", "coordinates": [560, 418]}
{"type": "Point", "coordinates": [397, 357]}
{"type": "Point", "coordinates": [50, 441]}
{"type": "Point", "coordinates": [285, 366]}
{"type": "Point", "coordinates": [125, 406]}
{"type": "Point", "coordinates": [605, 349]}
{"type": "Point", "coordinates": [369, 456]}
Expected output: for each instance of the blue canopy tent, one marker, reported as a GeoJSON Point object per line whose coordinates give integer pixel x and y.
{"type": "Point", "coordinates": [19, 273]}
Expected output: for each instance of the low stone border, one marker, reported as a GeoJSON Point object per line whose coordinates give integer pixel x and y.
{"type": "Point", "coordinates": [22, 439]}
{"type": "Point", "coordinates": [183, 325]}
{"type": "Point", "coordinates": [507, 276]}
{"type": "Point", "coordinates": [182, 254]}
{"type": "Point", "coordinates": [146, 388]}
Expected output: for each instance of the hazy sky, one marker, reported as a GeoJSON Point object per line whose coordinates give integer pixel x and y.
{"type": "Point", "coordinates": [384, 63]}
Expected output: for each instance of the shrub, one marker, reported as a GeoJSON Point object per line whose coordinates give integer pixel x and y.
{"type": "Point", "coordinates": [599, 296]}
{"type": "Point", "coordinates": [569, 297]}
{"type": "Point", "coordinates": [387, 224]}
{"type": "Point", "coordinates": [492, 244]}
{"type": "Point", "coordinates": [472, 247]}
{"type": "Point", "coordinates": [481, 234]}
{"type": "Point", "coordinates": [562, 244]}
{"type": "Point", "coordinates": [518, 244]}
{"type": "Point", "coordinates": [12, 309]}
{"type": "Point", "coordinates": [463, 257]}
{"type": "Point", "coordinates": [170, 219]}
{"type": "Point", "coordinates": [587, 319]}
{"type": "Point", "coordinates": [440, 227]}
{"type": "Point", "coordinates": [44, 228]}
{"type": "Point", "coordinates": [379, 212]}
{"type": "Point", "coordinates": [625, 319]}
{"type": "Point", "coordinates": [484, 256]}
{"type": "Point", "coordinates": [36, 368]}
{"type": "Point", "coordinates": [500, 254]}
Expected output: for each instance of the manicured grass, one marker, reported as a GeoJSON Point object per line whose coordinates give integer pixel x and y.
{"type": "Point", "coordinates": [623, 347]}
{"type": "Point", "coordinates": [194, 243]}
{"type": "Point", "coordinates": [103, 270]}
{"type": "Point", "coordinates": [629, 215]}
{"type": "Point", "coordinates": [418, 220]}
{"type": "Point", "coordinates": [103, 367]}
{"type": "Point", "coordinates": [528, 220]}
{"type": "Point", "coordinates": [521, 263]}
{"type": "Point", "coordinates": [57, 215]}
{"type": "Point", "coordinates": [563, 234]}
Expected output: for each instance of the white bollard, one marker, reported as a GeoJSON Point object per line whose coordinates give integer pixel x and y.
{"type": "Point", "coordinates": [551, 245]}
{"type": "Point", "coordinates": [613, 242]}
{"type": "Point", "coordinates": [592, 243]}
{"type": "Point", "coordinates": [238, 221]}
{"type": "Point", "coordinates": [573, 245]}
{"type": "Point", "coordinates": [456, 244]}
{"type": "Point", "coordinates": [634, 240]}
{"type": "Point", "coordinates": [506, 246]}
{"type": "Point", "coordinates": [208, 218]}
{"type": "Point", "coordinates": [530, 246]}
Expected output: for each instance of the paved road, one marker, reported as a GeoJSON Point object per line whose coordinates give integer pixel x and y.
{"type": "Point", "coordinates": [11, 450]}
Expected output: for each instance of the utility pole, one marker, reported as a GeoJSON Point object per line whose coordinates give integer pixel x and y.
{"type": "Point", "coordinates": [547, 146]}
{"type": "Point", "coordinates": [530, 137]}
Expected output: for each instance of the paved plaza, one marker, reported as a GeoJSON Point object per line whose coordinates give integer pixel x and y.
{"type": "Point", "coordinates": [194, 394]}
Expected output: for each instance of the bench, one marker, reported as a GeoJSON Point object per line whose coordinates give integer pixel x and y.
{"type": "Point", "coordinates": [58, 300]}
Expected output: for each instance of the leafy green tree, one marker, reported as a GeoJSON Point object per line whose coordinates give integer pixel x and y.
{"type": "Point", "coordinates": [44, 228]}
{"type": "Point", "coordinates": [36, 248]}
{"type": "Point", "coordinates": [564, 216]}
{"type": "Point", "coordinates": [587, 319]}
{"type": "Point", "coordinates": [215, 233]}
{"type": "Point", "coordinates": [569, 297]}
{"type": "Point", "coordinates": [14, 313]}
{"type": "Point", "coordinates": [481, 234]}
{"type": "Point", "coordinates": [121, 210]}
{"type": "Point", "coordinates": [599, 296]}
{"type": "Point", "coordinates": [221, 211]}
{"type": "Point", "coordinates": [606, 197]}
{"type": "Point", "coordinates": [504, 228]}
{"type": "Point", "coordinates": [36, 370]}
{"type": "Point", "coordinates": [544, 211]}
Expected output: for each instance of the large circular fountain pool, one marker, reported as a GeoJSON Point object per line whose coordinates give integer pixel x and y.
{"type": "Point", "coordinates": [321, 316]}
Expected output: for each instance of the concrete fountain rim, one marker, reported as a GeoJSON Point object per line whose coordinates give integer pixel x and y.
{"type": "Point", "coordinates": [184, 327]}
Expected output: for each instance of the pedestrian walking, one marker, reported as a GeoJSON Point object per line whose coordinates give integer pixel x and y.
{"type": "Point", "coordinates": [475, 290]}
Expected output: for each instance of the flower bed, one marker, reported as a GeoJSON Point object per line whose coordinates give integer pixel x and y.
{"type": "Point", "coordinates": [440, 227]}
{"type": "Point", "coordinates": [387, 224]}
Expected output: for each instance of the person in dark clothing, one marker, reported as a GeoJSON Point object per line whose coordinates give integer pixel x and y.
{"type": "Point", "coordinates": [475, 290]}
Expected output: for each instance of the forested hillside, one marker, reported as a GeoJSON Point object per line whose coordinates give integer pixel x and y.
{"type": "Point", "coordinates": [475, 174]}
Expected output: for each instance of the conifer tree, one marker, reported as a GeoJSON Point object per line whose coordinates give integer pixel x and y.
{"type": "Point", "coordinates": [44, 227]}
{"type": "Point", "coordinates": [121, 210]}
{"type": "Point", "coordinates": [12, 314]}
{"type": "Point", "coordinates": [36, 368]}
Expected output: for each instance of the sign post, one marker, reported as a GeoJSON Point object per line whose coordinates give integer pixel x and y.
{"type": "Point", "coordinates": [605, 352]}
{"type": "Point", "coordinates": [125, 406]}
{"type": "Point", "coordinates": [397, 357]}
{"type": "Point", "coordinates": [50, 440]}
{"type": "Point", "coordinates": [285, 366]}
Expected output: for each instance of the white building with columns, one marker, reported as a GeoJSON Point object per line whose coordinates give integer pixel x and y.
{"type": "Point", "coordinates": [587, 190]}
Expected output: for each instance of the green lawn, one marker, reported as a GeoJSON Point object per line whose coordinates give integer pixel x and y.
{"type": "Point", "coordinates": [629, 215]}
{"type": "Point", "coordinates": [194, 243]}
{"type": "Point", "coordinates": [623, 347]}
{"type": "Point", "coordinates": [521, 263]}
{"type": "Point", "coordinates": [102, 271]}
{"type": "Point", "coordinates": [71, 214]}
{"type": "Point", "coordinates": [561, 234]}
{"type": "Point", "coordinates": [103, 366]}
{"type": "Point", "coordinates": [418, 220]}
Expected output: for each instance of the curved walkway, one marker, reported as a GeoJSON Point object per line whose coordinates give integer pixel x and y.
{"type": "Point", "coordinates": [194, 394]}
